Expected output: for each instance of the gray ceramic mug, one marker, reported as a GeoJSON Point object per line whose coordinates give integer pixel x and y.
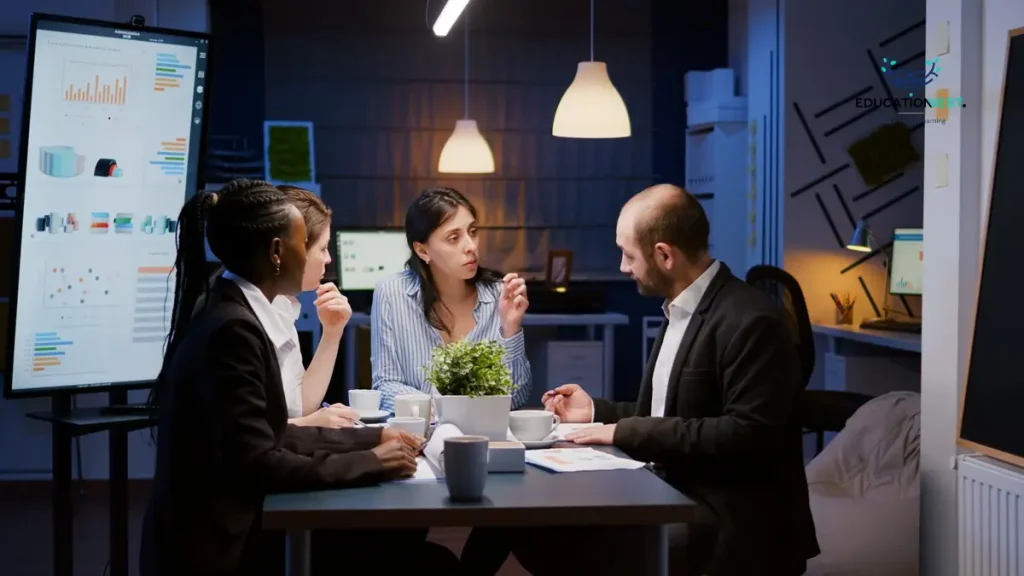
{"type": "Point", "coordinates": [465, 467]}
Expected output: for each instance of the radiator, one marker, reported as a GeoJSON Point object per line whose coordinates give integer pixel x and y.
{"type": "Point", "coordinates": [990, 509]}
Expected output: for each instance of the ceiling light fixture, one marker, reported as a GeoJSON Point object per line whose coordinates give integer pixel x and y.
{"type": "Point", "coordinates": [591, 107]}
{"type": "Point", "coordinates": [449, 14]}
{"type": "Point", "coordinates": [466, 151]}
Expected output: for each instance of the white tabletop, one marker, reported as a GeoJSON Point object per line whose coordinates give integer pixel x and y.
{"type": "Point", "coordinates": [896, 340]}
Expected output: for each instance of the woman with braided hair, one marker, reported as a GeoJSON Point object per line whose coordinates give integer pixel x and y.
{"type": "Point", "coordinates": [223, 438]}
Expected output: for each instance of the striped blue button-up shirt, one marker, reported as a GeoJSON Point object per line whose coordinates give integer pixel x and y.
{"type": "Point", "coordinates": [401, 339]}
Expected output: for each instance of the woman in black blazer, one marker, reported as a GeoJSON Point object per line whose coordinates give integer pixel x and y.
{"type": "Point", "coordinates": [223, 438]}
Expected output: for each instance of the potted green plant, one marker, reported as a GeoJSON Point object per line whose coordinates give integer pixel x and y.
{"type": "Point", "coordinates": [475, 386]}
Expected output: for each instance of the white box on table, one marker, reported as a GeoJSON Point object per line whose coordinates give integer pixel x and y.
{"type": "Point", "coordinates": [507, 456]}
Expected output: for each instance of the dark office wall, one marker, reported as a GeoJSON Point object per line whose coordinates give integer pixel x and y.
{"type": "Point", "coordinates": [832, 64]}
{"type": "Point", "coordinates": [237, 63]}
{"type": "Point", "coordinates": [383, 93]}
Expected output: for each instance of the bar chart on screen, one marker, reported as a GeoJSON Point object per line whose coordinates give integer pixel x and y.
{"type": "Point", "coordinates": [169, 72]}
{"type": "Point", "coordinates": [61, 352]}
{"type": "Point", "coordinates": [169, 159]}
{"type": "Point", "coordinates": [95, 83]}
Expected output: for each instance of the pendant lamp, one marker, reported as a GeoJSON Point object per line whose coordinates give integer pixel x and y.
{"type": "Point", "coordinates": [466, 151]}
{"type": "Point", "coordinates": [591, 107]}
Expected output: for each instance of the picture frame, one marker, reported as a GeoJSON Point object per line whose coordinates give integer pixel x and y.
{"type": "Point", "coordinates": [289, 154]}
{"type": "Point", "coordinates": [559, 268]}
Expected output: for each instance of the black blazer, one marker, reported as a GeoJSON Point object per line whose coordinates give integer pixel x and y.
{"type": "Point", "coordinates": [224, 443]}
{"type": "Point", "coordinates": [730, 438]}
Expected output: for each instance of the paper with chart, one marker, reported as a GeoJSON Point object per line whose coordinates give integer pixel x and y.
{"type": "Point", "coordinates": [579, 460]}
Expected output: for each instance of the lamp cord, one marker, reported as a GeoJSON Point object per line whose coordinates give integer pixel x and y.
{"type": "Point", "coordinates": [465, 93]}
{"type": "Point", "coordinates": [591, 30]}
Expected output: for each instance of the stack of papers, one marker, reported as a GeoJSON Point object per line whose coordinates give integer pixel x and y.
{"type": "Point", "coordinates": [579, 460]}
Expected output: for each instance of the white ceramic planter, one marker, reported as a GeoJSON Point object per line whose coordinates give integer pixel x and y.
{"type": "Point", "coordinates": [479, 415]}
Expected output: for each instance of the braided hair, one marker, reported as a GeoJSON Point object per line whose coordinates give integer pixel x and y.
{"type": "Point", "coordinates": [239, 221]}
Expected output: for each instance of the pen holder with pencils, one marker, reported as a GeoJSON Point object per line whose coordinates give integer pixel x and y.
{"type": "Point", "coordinates": [844, 316]}
{"type": "Point", "coordinates": [844, 308]}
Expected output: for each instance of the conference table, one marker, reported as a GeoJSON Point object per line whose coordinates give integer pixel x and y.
{"type": "Point", "coordinates": [536, 498]}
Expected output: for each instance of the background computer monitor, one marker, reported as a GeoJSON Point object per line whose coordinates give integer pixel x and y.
{"type": "Point", "coordinates": [112, 136]}
{"type": "Point", "coordinates": [365, 257]}
{"type": "Point", "coordinates": [906, 273]}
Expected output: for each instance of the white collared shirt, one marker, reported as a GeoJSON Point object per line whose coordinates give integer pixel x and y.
{"type": "Point", "coordinates": [278, 321]}
{"type": "Point", "coordinates": [678, 312]}
{"type": "Point", "coordinates": [292, 370]}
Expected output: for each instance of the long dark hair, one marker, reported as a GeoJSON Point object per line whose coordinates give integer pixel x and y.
{"type": "Point", "coordinates": [427, 213]}
{"type": "Point", "coordinates": [238, 221]}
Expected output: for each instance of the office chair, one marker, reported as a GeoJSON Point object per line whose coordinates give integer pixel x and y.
{"type": "Point", "coordinates": [819, 411]}
{"type": "Point", "coordinates": [785, 291]}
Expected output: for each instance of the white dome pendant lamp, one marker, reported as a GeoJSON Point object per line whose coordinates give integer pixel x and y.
{"type": "Point", "coordinates": [591, 107]}
{"type": "Point", "coordinates": [466, 151]}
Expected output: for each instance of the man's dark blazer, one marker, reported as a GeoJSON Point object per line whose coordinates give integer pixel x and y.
{"type": "Point", "coordinates": [729, 438]}
{"type": "Point", "coordinates": [224, 443]}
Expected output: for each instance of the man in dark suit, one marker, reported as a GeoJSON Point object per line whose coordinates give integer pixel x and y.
{"type": "Point", "coordinates": [715, 414]}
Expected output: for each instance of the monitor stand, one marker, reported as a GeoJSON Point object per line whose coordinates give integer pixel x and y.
{"type": "Point", "coordinates": [128, 409]}
{"type": "Point", "coordinates": [887, 322]}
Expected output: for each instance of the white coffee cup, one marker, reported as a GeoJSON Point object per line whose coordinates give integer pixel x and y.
{"type": "Point", "coordinates": [414, 406]}
{"type": "Point", "coordinates": [532, 425]}
{"type": "Point", "coordinates": [412, 425]}
{"type": "Point", "coordinates": [364, 401]}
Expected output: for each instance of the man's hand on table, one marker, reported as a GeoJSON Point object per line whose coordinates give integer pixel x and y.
{"type": "Point", "coordinates": [593, 435]}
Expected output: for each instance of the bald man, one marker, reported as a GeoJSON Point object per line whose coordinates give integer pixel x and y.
{"type": "Point", "coordinates": [716, 412]}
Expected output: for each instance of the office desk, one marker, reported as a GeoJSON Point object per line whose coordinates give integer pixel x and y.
{"type": "Point", "coordinates": [871, 362]}
{"type": "Point", "coordinates": [838, 335]}
{"type": "Point", "coordinates": [535, 498]}
{"type": "Point", "coordinates": [608, 321]}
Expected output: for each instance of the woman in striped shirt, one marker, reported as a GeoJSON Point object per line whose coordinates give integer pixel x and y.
{"type": "Point", "coordinates": [443, 296]}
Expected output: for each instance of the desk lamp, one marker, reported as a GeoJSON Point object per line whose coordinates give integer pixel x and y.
{"type": "Point", "coordinates": [862, 241]}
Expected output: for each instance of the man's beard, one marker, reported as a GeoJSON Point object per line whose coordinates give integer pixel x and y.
{"type": "Point", "coordinates": [656, 284]}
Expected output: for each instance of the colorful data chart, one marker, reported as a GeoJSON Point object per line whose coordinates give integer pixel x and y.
{"type": "Point", "coordinates": [122, 223]}
{"type": "Point", "coordinates": [48, 350]}
{"type": "Point", "coordinates": [157, 225]}
{"type": "Point", "coordinates": [77, 285]}
{"type": "Point", "coordinates": [169, 72]}
{"type": "Point", "coordinates": [99, 222]}
{"type": "Point", "coordinates": [95, 84]}
{"type": "Point", "coordinates": [60, 161]}
{"type": "Point", "coordinates": [171, 157]}
{"type": "Point", "coordinates": [55, 223]}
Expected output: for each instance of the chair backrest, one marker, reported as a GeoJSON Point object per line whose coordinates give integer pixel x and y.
{"type": "Point", "coordinates": [785, 291]}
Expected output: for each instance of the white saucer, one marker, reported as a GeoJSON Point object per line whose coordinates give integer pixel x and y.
{"type": "Point", "coordinates": [374, 415]}
{"type": "Point", "coordinates": [535, 444]}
